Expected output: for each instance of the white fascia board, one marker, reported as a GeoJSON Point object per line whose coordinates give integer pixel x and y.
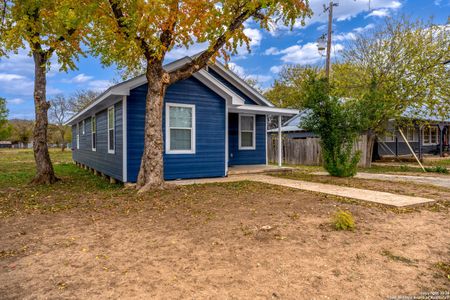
{"type": "Point", "coordinates": [257, 109]}
{"type": "Point", "coordinates": [239, 83]}
{"type": "Point", "coordinates": [218, 87]}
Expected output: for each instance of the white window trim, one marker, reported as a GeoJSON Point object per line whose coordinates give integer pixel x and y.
{"type": "Point", "coordinates": [94, 130]}
{"type": "Point", "coordinates": [114, 128]}
{"type": "Point", "coordinates": [83, 127]}
{"type": "Point", "coordinates": [407, 131]}
{"type": "Point", "coordinates": [429, 133]}
{"type": "Point", "coordinates": [78, 135]}
{"type": "Point", "coordinates": [254, 132]}
{"type": "Point", "coordinates": [193, 130]}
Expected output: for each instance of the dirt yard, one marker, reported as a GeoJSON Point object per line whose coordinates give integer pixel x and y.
{"type": "Point", "coordinates": [83, 238]}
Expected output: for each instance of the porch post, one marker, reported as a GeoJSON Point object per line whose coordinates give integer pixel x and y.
{"type": "Point", "coordinates": [441, 139]}
{"type": "Point", "coordinates": [420, 142]}
{"type": "Point", "coordinates": [280, 143]}
{"type": "Point", "coordinates": [396, 146]}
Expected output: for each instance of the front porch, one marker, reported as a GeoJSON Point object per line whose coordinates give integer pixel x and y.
{"type": "Point", "coordinates": [257, 169]}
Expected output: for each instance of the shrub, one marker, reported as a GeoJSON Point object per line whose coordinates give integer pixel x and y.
{"type": "Point", "coordinates": [343, 220]}
{"type": "Point", "coordinates": [338, 122]}
{"type": "Point", "coordinates": [437, 169]}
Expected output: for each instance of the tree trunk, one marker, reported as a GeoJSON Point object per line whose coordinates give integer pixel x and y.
{"type": "Point", "coordinates": [63, 143]}
{"type": "Point", "coordinates": [44, 168]}
{"type": "Point", "coordinates": [151, 173]}
{"type": "Point", "coordinates": [370, 143]}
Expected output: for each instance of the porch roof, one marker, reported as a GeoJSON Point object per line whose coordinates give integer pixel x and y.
{"type": "Point", "coordinates": [264, 110]}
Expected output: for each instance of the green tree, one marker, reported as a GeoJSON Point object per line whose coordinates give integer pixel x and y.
{"type": "Point", "coordinates": [46, 27]}
{"type": "Point", "coordinates": [396, 70]}
{"type": "Point", "coordinates": [337, 122]}
{"type": "Point", "coordinates": [135, 32]}
{"type": "Point", "coordinates": [288, 88]}
{"type": "Point", "coordinates": [5, 127]}
{"type": "Point", "coordinates": [22, 130]}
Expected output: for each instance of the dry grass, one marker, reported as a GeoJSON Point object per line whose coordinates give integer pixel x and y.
{"type": "Point", "coordinates": [85, 238]}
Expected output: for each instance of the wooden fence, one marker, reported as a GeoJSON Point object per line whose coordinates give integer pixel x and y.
{"type": "Point", "coordinates": [306, 151]}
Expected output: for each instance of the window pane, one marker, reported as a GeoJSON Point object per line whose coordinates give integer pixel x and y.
{"type": "Point", "coordinates": [93, 124]}
{"type": "Point", "coordinates": [246, 123]}
{"type": "Point", "coordinates": [247, 139]}
{"type": "Point", "coordinates": [180, 117]}
{"type": "Point", "coordinates": [94, 140]}
{"type": "Point", "coordinates": [111, 139]}
{"type": "Point", "coordinates": [434, 139]}
{"type": "Point", "coordinates": [110, 118]}
{"type": "Point", "coordinates": [426, 136]}
{"type": "Point", "coordinates": [180, 139]}
{"type": "Point", "coordinates": [409, 134]}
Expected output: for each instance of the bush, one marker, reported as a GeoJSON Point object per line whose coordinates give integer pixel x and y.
{"type": "Point", "coordinates": [343, 220]}
{"type": "Point", "coordinates": [437, 169]}
{"type": "Point", "coordinates": [338, 122]}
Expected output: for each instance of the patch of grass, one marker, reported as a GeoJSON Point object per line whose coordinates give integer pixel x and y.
{"type": "Point", "coordinates": [343, 220]}
{"type": "Point", "coordinates": [444, 267]}
{"type": "Point", "coordinates": [398, 258]}
{"type": "Point", "coordinates": [437, 169]}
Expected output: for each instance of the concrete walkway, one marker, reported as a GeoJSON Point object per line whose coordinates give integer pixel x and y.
{"type": "Point", "coordinates": [347, 192]}
{"type": "Point", "coordinates": [436, 181]}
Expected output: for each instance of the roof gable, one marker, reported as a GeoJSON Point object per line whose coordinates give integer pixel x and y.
{"type": "Point", "coordinates": [232, 88]}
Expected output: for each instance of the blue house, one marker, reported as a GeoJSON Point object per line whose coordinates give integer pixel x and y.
{"type": "Point", "coordinates": [211, 121]}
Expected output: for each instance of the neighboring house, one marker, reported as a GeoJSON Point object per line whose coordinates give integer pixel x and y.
{"type": "Point", "coordinates": [292, 128]}
{"type": "Point", "coordinates": [211, 121]}
{"type": "Point", "coordinates": [5, 144]}
{"type": "Point", "coordinates": [432, 137]}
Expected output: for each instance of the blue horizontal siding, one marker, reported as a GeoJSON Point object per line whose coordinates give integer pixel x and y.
{"type": "Point", "coordinates": [246, 157]}
{"type": "Point", "coordinates": [101, 160]}
{"type": "Point", "coordinates": [209, 159]}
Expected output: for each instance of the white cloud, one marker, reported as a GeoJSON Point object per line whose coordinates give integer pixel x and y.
{"type": "Point", "coordinates": [260, 78]}
{"type": "Point", "coordinates": [276, 69]}
{"type": "Point", "coordinates": [381, 13]}
{"type": "Point", "coordinates": [344, 36]}
{"type": "Point", "coordinates": [271, 51]}
{"type": "Point", "coordinates": [15, 101]}
{"type": "Point", "coordinates": [5, 77]}
{"type": "Point", "coordinates": [305, 54]}
{"type": "Point", "coordinates": [237, 69]}
{"type": "Point", "coordinates": [346, 10]}
{"type": "Point", "coordinates": [181, 52]}
{"type": "Point", "coordinates": [240, 71]}
{"type": "Point", "coordinates": [80, 78]}
{"type": "Point", "coordinates": [254, 35]}
{"type": "Point", "coordinates": [16, 84]}
{"type": "Point", "coordinates": [99, 85]}
{"type": "Point", "coordinates": [365, 28]}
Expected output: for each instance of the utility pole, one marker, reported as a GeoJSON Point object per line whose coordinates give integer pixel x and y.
{"type": "Point", "coordinates": [330, 30]}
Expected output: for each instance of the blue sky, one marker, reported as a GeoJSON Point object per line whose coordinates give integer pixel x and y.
{"type": "Point", "coordinates": [269, 50]}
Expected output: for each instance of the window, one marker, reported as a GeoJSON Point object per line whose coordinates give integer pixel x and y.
{"type": "Point", "coordinates": [111, 129]}
{"type": "Point", "coordinates": [180, 128]}
{"type": "Point", "coordinates": [389, 136]}
{"type": "Point", "coordinates": [410, 134]}
{"type": "Point", "coordinates": [94, 133]}
{"type": "Point", "coordinates": [430, 136]}
{"type": "Point", "coordinates": [246, 132]}
{"type": "Point", "coordinates": [78, 135]}
{"type": "Point", "coordinates": [83, 129]}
